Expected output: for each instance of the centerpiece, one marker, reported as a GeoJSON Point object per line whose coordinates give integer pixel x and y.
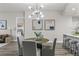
{"type": "Point", "coordinates": [39, 36]}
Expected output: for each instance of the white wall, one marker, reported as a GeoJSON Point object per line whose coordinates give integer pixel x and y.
{"type": "Point", "coordinates": [11, 21]}
{"type": "Point", "coordinates": [75, 23]}
{"type": "Point", "coordinates": [62, 25]}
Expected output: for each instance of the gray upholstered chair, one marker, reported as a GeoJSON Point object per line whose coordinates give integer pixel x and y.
{"type": "Point", "coordinates": [67, 44]}
{"type": "Point", "coordinates": [20, 52]}
{"type": "Point", "coordinates": [49, 50]}
{"type": "Point", "coordinates": [29, 48]}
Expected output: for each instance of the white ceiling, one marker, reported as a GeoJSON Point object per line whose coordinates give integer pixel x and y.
{"type": "Point", "coordinates": [24, 6]}
{"type": "Point", "coordinates": [66, 8]}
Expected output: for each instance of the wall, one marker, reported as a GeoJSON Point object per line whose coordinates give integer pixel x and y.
{"type": "Point", "coordinates": [62, 25]}
{"type": "Point", "coordinates": [11, 21]}
{"type": "Point", "coordinates": [75, 23]}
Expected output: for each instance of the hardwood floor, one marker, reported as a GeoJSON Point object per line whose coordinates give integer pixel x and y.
{"type": "Point", "coordinates": [60, 51]}
{"type": "Point", "coordinates": [9, 50]}
{"type": "Point", "coordinates": [12, 50]}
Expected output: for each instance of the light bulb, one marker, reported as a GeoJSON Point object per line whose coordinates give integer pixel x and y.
{"type": "Point", "coordinates": [29, 16]}
{"type": "Point", "coordinates": [30, 7]}
{"type": "Point", "coordinates": [42, 6]}
{"type": "Point", "coordinates": [73, 9]}
{"type": "Point", "coordinates": [40, 13]}
{"type": "Point", "coordinates": [42, 16]}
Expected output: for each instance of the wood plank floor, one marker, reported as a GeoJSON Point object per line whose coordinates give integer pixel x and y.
{"type": "Point", "coordinates": [11, 49]}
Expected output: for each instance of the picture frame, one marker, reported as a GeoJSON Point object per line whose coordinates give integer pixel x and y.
{"type": "Point", "coordinates": [3, 24]}
{"type": "Point", "coordinates": [49, 24]}
{"type": "Point", "coordinates": [37, 24]}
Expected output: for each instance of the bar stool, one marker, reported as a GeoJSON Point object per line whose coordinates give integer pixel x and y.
{"type": "Point", "coordinates": [77, 49]}
{"type": "Point", "coordinates": [73, 46]}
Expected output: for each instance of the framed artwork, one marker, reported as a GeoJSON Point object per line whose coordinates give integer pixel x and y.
{"type": "Point", "coordinates": [37, 24]}
{"type": "Point", "coordinates": [49, 24]}
{"type": "Point", "coordinates": [3, 24]}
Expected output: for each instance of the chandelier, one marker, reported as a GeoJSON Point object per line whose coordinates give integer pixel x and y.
{"type": "Point", "coordinates": [36, 12]}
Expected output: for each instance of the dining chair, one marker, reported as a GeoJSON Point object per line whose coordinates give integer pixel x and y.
{"type": "Point", "coordinates": [49, 50]}
{"type": "Point", "coordinates": [20, 52]}
{"type": "Point", "coordinates": [67, 43]}
{"type": "Point", "coordinates": [29, 48]}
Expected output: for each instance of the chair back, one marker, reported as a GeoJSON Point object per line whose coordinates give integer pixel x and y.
{"type": "Point", "coordinates": [54, 45]}
{"type": "Point", "coordinates": [18, 42]}
{"type": "Point", "coordinates": [19, 47]}
{"type": "Point", "coordinates": [49, 50]}
{"type": "Point", "coordinates": [29, 48]}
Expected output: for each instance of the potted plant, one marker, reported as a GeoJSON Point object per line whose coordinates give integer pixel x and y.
{"type": "Point", "coordinates": [38, 35]}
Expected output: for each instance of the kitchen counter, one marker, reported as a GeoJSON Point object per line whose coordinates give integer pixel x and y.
{"type": "Point", "coordinates": [72, 35]}
{"type": "Point", "coordinates": [71, 42]}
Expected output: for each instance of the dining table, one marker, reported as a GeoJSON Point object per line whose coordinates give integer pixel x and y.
{"type": "Point", "coordinates": [39, 42]}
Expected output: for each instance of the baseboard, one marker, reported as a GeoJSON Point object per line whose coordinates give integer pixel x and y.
{"type": "Point", "coordinates": [59, 41]}
{"type": "Point", "coordinates": [14, 40]}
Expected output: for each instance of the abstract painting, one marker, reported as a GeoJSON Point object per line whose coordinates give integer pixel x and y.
{"type": "Point", "coordinates": [37, 24]}
{"type": "Point", "coordinates": [49, 24]}
{"type": "Point", "coordinates": [3, 24]}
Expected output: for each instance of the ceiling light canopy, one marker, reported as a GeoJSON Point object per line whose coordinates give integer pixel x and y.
{"type": "Point", "coordinates": [73, 9]}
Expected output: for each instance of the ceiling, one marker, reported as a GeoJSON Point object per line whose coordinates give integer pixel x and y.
{"type": "Point", "coordinates": [68, 10]}
{"type": "Point", "coordinates": [65, 8]}
{"type": "Point", "coordinates": [24, 6]}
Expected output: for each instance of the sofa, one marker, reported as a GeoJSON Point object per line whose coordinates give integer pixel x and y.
{"type": "Point", "coordinates": [5, 38]}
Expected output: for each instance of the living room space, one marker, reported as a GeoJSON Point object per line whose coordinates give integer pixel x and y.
{"type": "Point", "coordinates": [20, 20]}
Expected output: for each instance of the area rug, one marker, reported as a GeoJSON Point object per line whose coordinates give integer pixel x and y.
{"type": "Point", "coordinates": [3, 44]}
